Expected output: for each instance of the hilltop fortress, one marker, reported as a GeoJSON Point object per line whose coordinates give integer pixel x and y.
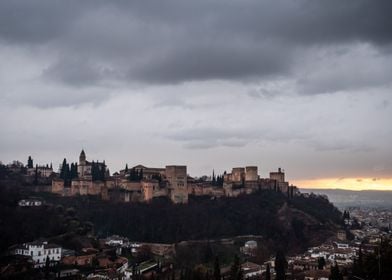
{"type": "Point", "coordinates": [141, 183]}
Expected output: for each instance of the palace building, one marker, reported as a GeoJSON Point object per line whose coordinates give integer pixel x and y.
{"type": "Point", "coordinates": [141, 183]}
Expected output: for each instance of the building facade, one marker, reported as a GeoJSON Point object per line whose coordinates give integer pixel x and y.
{"type": "Point", "coordinates": [39, 252]}
{"type": "Point", "coordinates": [176, 177]}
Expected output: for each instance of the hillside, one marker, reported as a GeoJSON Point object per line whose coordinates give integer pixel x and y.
{"type": "Point", "coordinates": [289, 223]}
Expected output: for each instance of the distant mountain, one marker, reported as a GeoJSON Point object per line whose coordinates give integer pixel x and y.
{"type": "Point", "coordinates": [347, 198]}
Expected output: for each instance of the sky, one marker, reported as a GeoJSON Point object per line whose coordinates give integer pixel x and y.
{"type": "Point", "coordinates": [303, 85]}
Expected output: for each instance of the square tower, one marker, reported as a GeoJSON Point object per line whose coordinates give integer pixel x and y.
{"type": "Point", "coordinates": [176, 177]}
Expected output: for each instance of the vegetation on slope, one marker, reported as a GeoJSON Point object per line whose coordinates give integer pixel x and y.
{"type": "Point", "coordinates": [289, 222]}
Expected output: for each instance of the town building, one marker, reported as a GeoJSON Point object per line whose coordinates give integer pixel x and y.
{"type": "Point", "coordinates": [249, 248]}
{"type": "Point", "coordinates": [39, 252]}
{"type": "Point", "coordinates": [251, 270]}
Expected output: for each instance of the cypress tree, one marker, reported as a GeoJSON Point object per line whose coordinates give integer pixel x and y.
{"type": "Point", "coordinates": [236, 271]}
{"type": "Point", "coordinates": [30, 162]}
{"type": "Point", "coordinates": [217, 274]}
{"type": "Point", "coordinates": [71, 171]}
{"type": "Point", "coordinates": [358, 264]}
{"type": "Point", "coordinates": [280, 266]}
{"type": "Point", "coordinates": [47, 266]}
{"type": "Point", "coordinates": [36, 175]}
{"type": "Point", "coordinates": [102, 173]}
{"type": "Point", "coordinates": [133, 175]}
{"type": "Point", "coordinates": [268, 272]}
{"type": "Point", "coordinates": [93, 170]}
{"type": "Point", "coordinates": [321, 263]}
{"type": "Point", "coordinates": [62, 170]}
{"type": "Point", "coordinates": [335, 273]}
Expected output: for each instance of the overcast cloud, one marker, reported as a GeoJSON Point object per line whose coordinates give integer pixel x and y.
{"type": "Point", "coordinates": [302, 84]}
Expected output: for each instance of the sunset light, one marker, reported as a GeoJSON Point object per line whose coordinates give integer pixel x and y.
{"type": "Point", "coordinates": [356, 184]}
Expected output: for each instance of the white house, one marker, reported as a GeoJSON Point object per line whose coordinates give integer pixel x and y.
{"type": "Point", "coordinates": [39, 251]}
{"type": "Point", "coordinates": [251, 270]}
{"type": "Point", "coordinates": [116, 240]}
{"type": "Point", "coordinates": [249, 248]}
{"type": "Point", "coordinates": [29, 202]}
{"type": "Point", "coordinates": [43, 171]}
{"type": "Point", "coordinates": [342, 245]}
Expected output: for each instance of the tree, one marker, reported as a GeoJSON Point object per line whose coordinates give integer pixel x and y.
{"type": "Point", "coordinates": [36, 176]}
{"type": "Point", "coordinates": [280, 265]}
{"type": "Point", "coordinates": [47, 266]}
{"type": "Point", "coordinates": [95, 263]}
{"type": "Point", "coordinates": [65, 173]}
{"type": "Point", "coordinates": [126, 168]}
{"type": "Point", "coordinates": [321, 263]}
{"type": "Point", "coordinates": [30, 162]}
{"type": "Point", "coordinates": [346, 215]}
{"type": "Point", "coordinates": [71, 172]}
{"type": "Point", "coordinates": [103, 172]}
{"type": "Point", "coordinates": [240, 275]}
{"type": "Point", "coordinates": [292, 191]}
{"type": "Point", "coordinates": [236, 271]}
{"type": "Point", "coordinates": [360, 257]}
{"type": "Point", "coordinates": [219, 180]}
{"type": "Point", "coordinates": [357, 268]}
{"type": "Point", "coordinates": [94, 173]}
{"type": "Point", "coordinates": [76, 175]}
{"type": "Point", "coordinates": [62, 170]}
{"type": "Point", "coordinates": [335, 273]}
{"type": "Point", "coordinates": [268, 272]}
{"type": "Point", "coordinates": [144, 253]}
{"type": "Point", "coordinates": [376, 265]}
{"type": "Point", "coordinates": [173, 275]}
{"type": "Point", "coordinates": [134, 175]}
{"type": "Point", "coordinates": [217, 274]}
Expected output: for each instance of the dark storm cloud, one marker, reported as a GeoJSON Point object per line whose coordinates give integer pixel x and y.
{"type": "Point", "coordinates": [177, 41]}
{"type": "Point", "coordinates": [75, 72]}
{"type": "Point", "coordinates": [215, 62]}
{"type": "Point", "coordinates": [37, 21]}
{"type": "Point", "coordinates": [212, 137]}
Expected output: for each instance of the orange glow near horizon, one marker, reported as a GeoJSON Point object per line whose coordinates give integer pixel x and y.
{"type": "Point", "coordinates": [354, 184]}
